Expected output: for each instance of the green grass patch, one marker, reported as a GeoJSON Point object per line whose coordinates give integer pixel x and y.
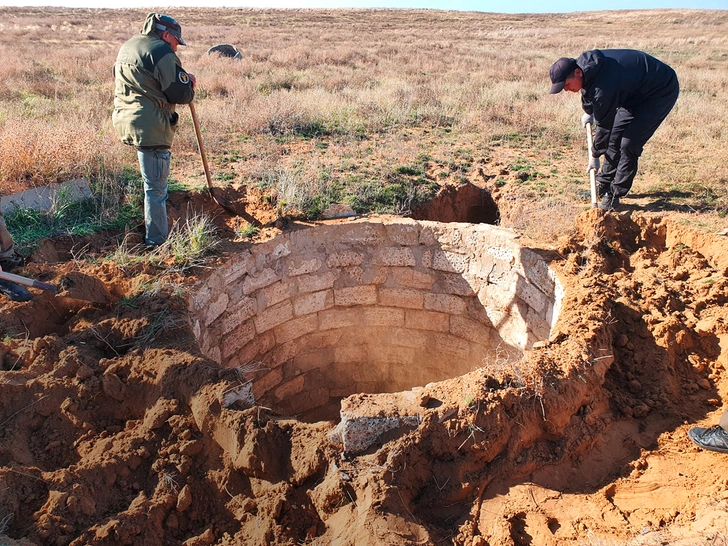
{"type": "Point", "coordinates": [500, 139]}
{"type": "Point", "coordinates": [117, 202]}
{"type": "Point", "coordinates": [407, 171]}
{"type": "Point", "coordinates": [398, 196]}
{"type": "Point", "coordinates": [232, 156]}
{"type": "Point", "coordinates": [224, 177]}
{"type": "Point", "coordinates": [246, 232]}
{"type": "Point", "coordinates": [402, 189]}
{"type": "Point", "coordinates": [82, 218]}
{"type": "Point", "coordinates": [312, 129]}
{"type": "Point", "coordinates": [177, 186]}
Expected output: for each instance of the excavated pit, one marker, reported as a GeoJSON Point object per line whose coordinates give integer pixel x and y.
{"type": "Point", "coordinates": [463, 203]}
{"type": "Point", "coordinates": [371, 306]}
{"type": "Point", "coordinates": [580, 439]}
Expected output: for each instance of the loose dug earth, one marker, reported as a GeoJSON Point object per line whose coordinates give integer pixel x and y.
{"type": "Point", "coordinates": [114, 428]}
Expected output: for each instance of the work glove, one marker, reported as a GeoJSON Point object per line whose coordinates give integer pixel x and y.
{"type": "Point", "coordinates": [593, 164]}
{"type": "Point", "coordinates": [587, 118]}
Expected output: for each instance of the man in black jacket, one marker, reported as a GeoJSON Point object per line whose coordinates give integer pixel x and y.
{"type": "Point", "coordinates": [629, 93]}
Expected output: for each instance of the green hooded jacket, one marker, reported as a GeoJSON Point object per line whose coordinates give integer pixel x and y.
{"type": "Point", "coordinates": [149, 81]}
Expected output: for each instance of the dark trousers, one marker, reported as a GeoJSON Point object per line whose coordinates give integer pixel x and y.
{"type": "Point", "coordinates": [632, 128]}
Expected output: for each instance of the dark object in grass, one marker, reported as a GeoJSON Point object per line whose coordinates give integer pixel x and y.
{"type": "Point", "coordinates": [225, 50]}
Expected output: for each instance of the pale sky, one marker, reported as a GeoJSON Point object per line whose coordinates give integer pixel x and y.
{"type": "Point", "coordinates": [498, 6]}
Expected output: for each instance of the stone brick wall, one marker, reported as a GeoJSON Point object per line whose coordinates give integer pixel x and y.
{"type": "Point", "coordinates": [376, 305]}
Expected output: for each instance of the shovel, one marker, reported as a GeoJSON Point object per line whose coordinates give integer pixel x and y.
{"type": "Point", "coordinates": [592, 172]}
{"type": "Point", "coordinates": [76, 286]}
{"type": "Point", "coordinates": [25, 281]}
{"type": "Point", "coordinates": [219, 200]}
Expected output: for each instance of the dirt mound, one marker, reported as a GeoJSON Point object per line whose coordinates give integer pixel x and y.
{"type": "Point", "coordinates": [245, 203]}
{"type": "Point", "coordinates": [114, 429]}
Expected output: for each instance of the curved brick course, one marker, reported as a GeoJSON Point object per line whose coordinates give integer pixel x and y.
{"type": "Point", "coordinates": [372, 306]}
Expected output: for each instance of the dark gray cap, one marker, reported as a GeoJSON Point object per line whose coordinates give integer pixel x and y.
{"type": "Point", "coordinates": [560, 70]}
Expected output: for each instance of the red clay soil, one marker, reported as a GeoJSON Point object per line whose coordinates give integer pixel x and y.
{"type": "Point", "coordinates": [113, 431]}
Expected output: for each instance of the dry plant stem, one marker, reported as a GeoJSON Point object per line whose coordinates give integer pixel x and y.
{"type": "Point", "coordinates": [98, 336]}
{"type": "Point", "coordinates": [353, 503]}
{"type": "Point", "coordinates": [169, 482]}
{"type": "Point", "coordinates": [405, 506]}
{"type": "Point", "coordinates": [258, 416]}
{"type": "Point", "coordinates": [4, 523]}
{"type": "Point", "coordinates": [441, 487]}
{"type": "Point", "coordinates": [233, 497]}
{"type": "Point", "coordinates": [26, 475]}
{"type": "Point", "coordinates": [380, 467]}
{"type": "Point", "coordinates": [17, 361]}
{"type": "Point", "coordinates": [479, 503]}
{"type": "Point", "coordinates": [23, 409]}
{"type": "Point", "coordinates": [530, 490]}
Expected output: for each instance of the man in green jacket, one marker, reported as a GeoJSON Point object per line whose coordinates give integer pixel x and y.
{"type": "Point", "coordinates": [149, 81]}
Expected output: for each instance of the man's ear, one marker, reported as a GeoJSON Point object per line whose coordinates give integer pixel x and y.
{"type": "Point", "coordinates": [578, 73]}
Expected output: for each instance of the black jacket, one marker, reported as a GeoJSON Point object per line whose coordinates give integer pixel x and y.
{"type": "Point", "coordinates": [620, 78]}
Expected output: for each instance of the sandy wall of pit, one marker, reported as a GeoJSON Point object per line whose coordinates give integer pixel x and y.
{"type": "Point", "coordinates": [376, 305]}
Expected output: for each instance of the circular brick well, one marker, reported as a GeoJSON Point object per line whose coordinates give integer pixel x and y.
{"type": "Point", "coordinates": [371, 306]}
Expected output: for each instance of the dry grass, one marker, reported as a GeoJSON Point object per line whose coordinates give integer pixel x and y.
{"type": "Point", "coordinates": [188, 244]}
{"type": "Point", "coordinates": [330, 99]}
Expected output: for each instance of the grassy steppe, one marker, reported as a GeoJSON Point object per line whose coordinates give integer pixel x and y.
{"type": "Point", "coordinates": [375, 108]}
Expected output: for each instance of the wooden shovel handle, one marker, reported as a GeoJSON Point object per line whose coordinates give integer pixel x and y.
{"type": "Point", "coordinates": [592, 172]}
{"type": "Point", "coordinates": [201, 146]}
{"type": "Point", "coordinates": [220, 201]}
{"type": "Point", "coordinates": [27, 282]}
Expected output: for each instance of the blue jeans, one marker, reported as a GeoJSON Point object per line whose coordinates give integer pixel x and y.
{"type": "Point", "coordinates": [154, 166]}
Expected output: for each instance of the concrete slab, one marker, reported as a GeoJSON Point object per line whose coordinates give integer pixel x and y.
{"type": "Point", "coordinates": [338, 211]}
{"type": "Point", "coordinates": [45, 197]}
{"type": "Point", "coordinates": [365, 418]}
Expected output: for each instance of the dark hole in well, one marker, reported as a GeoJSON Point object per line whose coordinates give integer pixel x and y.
{"type": "Point", "coordinates": [331, 411]}
{"type": "Point", "coordinates": [463, 203]}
